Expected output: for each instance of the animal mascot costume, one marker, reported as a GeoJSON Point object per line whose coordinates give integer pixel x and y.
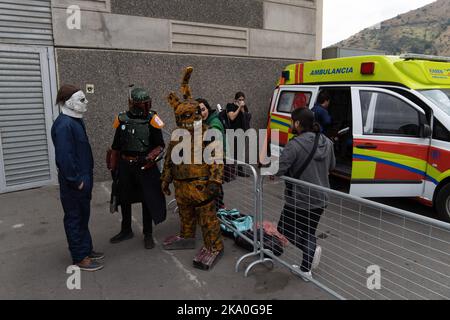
{"type": "Point", "coordinates": [196, 185]}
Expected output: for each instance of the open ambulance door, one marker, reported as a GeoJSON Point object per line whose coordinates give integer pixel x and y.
{"type": "Point", "coordinates": [285, 100]}
{"type": "Point", "coordinates": [391, 142]}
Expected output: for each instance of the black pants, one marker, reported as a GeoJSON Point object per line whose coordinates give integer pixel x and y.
{"type": "Point", "coordinates": [299, 227]}
{"type": "Point", "coordinates": [141, 186]}
{"type": "Point", "coordinates": [127, 216]}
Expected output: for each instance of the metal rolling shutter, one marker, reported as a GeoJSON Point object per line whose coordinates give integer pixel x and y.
{"type": "Point", "coordinates": [26, 22]}
{"type": "Point", "coordinates": [23, 131]}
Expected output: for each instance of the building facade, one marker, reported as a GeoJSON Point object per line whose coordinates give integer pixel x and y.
{"type": "Point", "coordinates": [342, 52]}
{"type": "Point", "coordinates": [233, 45]}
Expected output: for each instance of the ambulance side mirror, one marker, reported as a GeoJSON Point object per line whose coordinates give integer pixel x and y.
{"type": "Point", "coordinates": [425, 131]}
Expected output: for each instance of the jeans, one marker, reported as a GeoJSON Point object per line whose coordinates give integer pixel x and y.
{"type": "Point", "coordinates": [77, 211]}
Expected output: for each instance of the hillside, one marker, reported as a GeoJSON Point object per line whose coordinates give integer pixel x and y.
{"type": "Point", "coordinates": [425, 30]}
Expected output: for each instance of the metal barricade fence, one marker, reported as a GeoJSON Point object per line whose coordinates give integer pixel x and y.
{"type": "Point", "coordinates": [369, 250]}
{"type": "Point", "coordinates": [241, 193]}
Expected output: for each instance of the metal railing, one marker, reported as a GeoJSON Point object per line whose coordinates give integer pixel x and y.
{"type": "Point", "coordinates": [241, 194]}
{"type": "Point", "coordinates": [369, 250]}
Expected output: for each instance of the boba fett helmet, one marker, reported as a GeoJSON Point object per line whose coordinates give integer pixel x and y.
{"type": "Point", "coordinates": [140, 102]}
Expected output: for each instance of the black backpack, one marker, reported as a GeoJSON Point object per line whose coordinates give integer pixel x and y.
{"type": "Point", "coordinates": [223, 117]}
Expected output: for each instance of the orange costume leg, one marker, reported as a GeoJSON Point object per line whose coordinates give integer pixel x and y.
{"type": "Point", "coordinates": [210, 226]}
{"type": "Point", "coordinates": [188, 221]}
{"type": "Point", "coordinates": [186, 239]}
{"type": "Point", "coordinates": [213, 247]}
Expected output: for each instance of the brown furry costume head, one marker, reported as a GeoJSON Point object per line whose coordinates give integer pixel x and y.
{"type": "Point", "coordinates": [187, 112]}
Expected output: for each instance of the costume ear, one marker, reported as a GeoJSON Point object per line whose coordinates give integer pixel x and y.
{"type": "Point", "coordinates": [173, 100]}
{"type": "Point", "coordinates": [185, 89]}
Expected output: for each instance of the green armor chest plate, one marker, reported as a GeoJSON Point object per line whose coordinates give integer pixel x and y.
{"type": "Point", "coordinates": [134, 134]}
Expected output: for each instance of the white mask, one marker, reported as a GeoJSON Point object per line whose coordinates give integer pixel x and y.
{"type": "Point", "coordinates": [77, 102]}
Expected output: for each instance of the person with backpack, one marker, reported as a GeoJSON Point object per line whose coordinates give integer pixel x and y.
{"type": "Point", "coordinates": [309, 156]}
{"type": "Point", "coordinates": [229, 173]}
{"type": "Point", "coordinates": [238, 113]}
{"type": "Point", "coordinates": [210, 117]}
{"type": "Point", "coordinates": [239, 118]}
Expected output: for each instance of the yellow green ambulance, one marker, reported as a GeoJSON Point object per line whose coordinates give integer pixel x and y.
{"type": "Point", "coordinates": [391, 122]}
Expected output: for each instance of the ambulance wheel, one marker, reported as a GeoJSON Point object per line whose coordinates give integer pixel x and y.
{"type": "Point", "coordinates": [443, 203]}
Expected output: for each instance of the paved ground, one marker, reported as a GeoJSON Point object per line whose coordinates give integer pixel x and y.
{"type": "Point", "coordinates": [34, 257]}
{"type": "Point", "coordinates": [414, 259]}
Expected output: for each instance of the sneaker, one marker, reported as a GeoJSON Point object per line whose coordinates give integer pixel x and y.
{"type": "Point", "coordinates": [122, 236]}
{"type": "Point", "coordinates": [96, 255]}
{"type": "Point", "coordinates": [316, 259]}
{"type": "Point", "coordinates": [306, 276]}
{"type": "Point", "coordinates": [149, 243]}
{"type": "Point", "coordinates": [89, 265]}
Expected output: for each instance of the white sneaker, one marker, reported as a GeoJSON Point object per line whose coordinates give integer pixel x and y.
{"type": "Point", "coordinates": [316, 259]}
{"type": "Point", "coordinates": [306, 276]}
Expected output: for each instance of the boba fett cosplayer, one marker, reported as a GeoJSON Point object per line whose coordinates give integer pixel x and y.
{"type": "Point", "coordinates": [138, 144]}
{"type": "Point", "coordinates": [196, 186]}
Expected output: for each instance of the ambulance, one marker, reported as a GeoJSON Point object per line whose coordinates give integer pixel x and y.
{"type": "Point", "coordinates": [390, 122]}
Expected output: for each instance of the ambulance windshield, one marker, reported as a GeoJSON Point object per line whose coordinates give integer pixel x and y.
{"type": "Point", "coordinates": [440, 97]}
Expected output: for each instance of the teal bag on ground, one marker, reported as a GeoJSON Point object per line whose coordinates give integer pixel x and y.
{"type": "Point", "coordinates": [232, 221]}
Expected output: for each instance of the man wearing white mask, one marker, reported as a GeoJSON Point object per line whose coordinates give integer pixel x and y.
{"type": "Point", "coordinates": [75, 174]}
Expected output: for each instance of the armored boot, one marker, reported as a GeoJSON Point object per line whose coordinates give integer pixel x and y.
{"type": "Point", "coordinates": [122, 236]}
{"type": "Point", "coordinates": [205, 259]}
{"type": "Point", "coordinates": [178, 243]}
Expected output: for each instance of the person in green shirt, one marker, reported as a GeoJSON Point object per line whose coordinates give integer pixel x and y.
{"type": "Point", "coordinates": [211, 118]}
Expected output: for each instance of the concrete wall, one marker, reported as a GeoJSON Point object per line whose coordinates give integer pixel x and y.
{"type": "Point", "coordinates": [239, 13]}
{"type": "Point", "coordinates": [288, 31]}
{"type": "Point", "coordinates": [215, 78]}
{"type": "Point", "coordinates": [233, 45]}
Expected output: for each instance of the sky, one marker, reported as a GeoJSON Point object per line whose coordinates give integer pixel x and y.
{"type": "Point", "coordinates": [344, 18]}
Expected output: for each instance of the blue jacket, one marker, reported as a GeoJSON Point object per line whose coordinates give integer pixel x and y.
{"type": "Point", "coordinates": [73, 153]}
{"type": "Point", "coordinates": [322, 117]}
